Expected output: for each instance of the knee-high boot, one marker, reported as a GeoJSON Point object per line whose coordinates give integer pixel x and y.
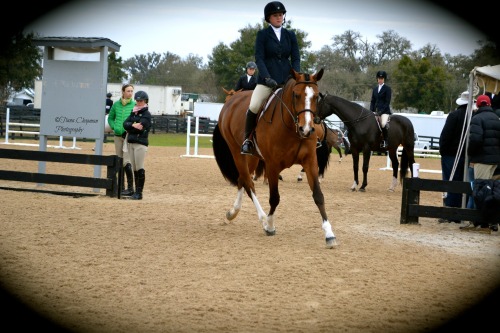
{"type": "Point", "coordinates": [383, 144]}
{"type": "Point", "coordinates": [130, 181]}
{"type": "Point", "coordinates": [139, 184]}
{"type": "Point", "coordinates": [247, 146]}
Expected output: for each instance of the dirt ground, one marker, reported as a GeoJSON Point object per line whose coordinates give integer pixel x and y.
{"type": "Point", "coordinates": [173, 263]}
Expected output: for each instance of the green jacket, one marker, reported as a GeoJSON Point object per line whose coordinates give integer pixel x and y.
{"type": "Point", "coordinates": [118, 114]}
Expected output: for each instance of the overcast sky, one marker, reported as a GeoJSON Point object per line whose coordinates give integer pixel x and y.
{"type": "Point", "coordinates": [196, 27]}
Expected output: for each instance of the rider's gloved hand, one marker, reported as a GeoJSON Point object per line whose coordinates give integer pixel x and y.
{"type": "Point", "coordinates": [270, 82]}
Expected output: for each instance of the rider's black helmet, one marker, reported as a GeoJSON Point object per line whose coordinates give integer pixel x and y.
{"type": "Point", "coordinates": [108, 95]}
{"type": "Point", "coordinates": [141, 96]}
{"type": "Point", "coordinates": [382, 74]}
{"type": "Point", "coordinates": [272, 8]}
{"type": "Point", "coordinates": [251, 64]}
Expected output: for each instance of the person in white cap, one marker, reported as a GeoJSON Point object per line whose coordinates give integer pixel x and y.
{"type": "Point", "coordinates": [449, 142]}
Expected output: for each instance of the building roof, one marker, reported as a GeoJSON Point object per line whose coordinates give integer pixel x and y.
{"type": "Point", "coordinates": [78, 44]}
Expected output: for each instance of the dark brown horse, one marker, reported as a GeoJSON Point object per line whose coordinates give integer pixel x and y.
{"type": "Point", "coordinates": [365, 135]}
{"type": "Point", "coordinates": [284, 136]}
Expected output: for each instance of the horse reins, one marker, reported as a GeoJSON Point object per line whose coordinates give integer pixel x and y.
{"type": "Point", "coordinates": [296, 118]}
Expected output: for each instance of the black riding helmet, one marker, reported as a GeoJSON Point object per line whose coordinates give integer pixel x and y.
{"type": "Point", "coordinates": [141, 96]}
{"type": "Point", "coordinates": [382, 74]}
{"type": "Point", "coordinates": [272, 8]}
{"type": "Point", "coordinates": [251, 64]}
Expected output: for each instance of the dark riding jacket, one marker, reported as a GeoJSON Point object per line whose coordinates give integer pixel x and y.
{"type": "Point", "coordinates": [272, 55]}
{"type": "Point", "coordinates": [380, 102]}
{"type": "Point", "coordinates": [135, 135]}
{"type": "Point", "coordinates": [245, 84]}
{"type": "Point", "coordinates": [484, 137]}
{"type": "Point", "coordinates": [451, 133]}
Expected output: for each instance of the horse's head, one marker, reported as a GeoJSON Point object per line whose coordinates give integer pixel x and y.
{"type": "Point", "coordinates": [305, 94]}
{"type": "Point", "coordinates": [323, 111]}
{"type": "Point", "coordinates": [229, 93]}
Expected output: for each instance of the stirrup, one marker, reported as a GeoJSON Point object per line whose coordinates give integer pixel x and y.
{"type": "Point", "coordinates": [318, 144]}
{"type": "Point", "coordinates": [383, 144]}
{"type": "Point", "coordinates": [246, 147]}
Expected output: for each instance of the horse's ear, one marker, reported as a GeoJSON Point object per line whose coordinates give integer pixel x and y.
{"type": "Point", "coordinates": [319, 75]}
{"type": "Point", "coordinates": [321, 95]}
{"type": "Point", "coordinates": [227, 92]}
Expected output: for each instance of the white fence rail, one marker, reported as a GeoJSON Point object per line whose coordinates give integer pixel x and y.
{"type": "Point", "coordinates": [8, 131]}
{"type": "Point", "coordinates": [418, 153]}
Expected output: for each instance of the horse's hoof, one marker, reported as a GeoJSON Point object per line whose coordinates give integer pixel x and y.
{"type": "Point", "coordinates": [299, 179]}
{"type": "Point", "coordinates": [230, 215]}
{"type": "Point", "coordinates": [362, 190]}
{"type": "Point", "coordinates": [390, 189]}
{"type": "Point", "coordinates": [270, 233]}
{"type": "Point", "coordinates": [331, 242]}
{"type": "Point", "coordinates": [353, 189]}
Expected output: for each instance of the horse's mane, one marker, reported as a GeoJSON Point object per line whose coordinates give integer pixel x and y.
{"type": "Point", "coordinates": [348, 105]}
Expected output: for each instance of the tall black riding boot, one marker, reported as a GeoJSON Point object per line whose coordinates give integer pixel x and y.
{"type": "Point", "coordinates": [130, 181]}
{"type": "Point", "coordinates": [383, 144]}
{"type": "Point", "coordinates": [139, 184]}
{"type": "Point", "coordinates": [247, 147]}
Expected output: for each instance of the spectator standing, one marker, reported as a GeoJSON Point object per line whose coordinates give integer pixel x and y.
{"type": "Point", "coordinates": [137, 125]}
{"type": "Point", "coordinates": [449, 143]}
{"type": "Point", "coordinates": [484, 140]}
{"type": "Point", "coordinates": [276, 53]}
{"type": "Point", "coordinates": [248, 81]}
{"type": "Point", "coordinates": [109, 102]}
{"type": "Point", "coordinates": [484, 154]}
{"type": "Point", "coordinates": [118, 113]}
{"type": "Point", "coordinates": [380, 103]}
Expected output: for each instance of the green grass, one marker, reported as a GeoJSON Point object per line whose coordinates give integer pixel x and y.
{"type": "Point", "coordinates": [177, 140]}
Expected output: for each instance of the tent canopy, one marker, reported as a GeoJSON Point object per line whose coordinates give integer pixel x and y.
{"type": "Point", "coordinates": [486, 78]}
{"type": "Point", "coordinates": [481, 80]}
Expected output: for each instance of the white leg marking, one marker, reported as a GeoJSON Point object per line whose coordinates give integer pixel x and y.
{"type": "Point", "coordinates": [327, 228]}
{"type": "Point", "coordinates": [233, 212]}
{"type": "Point", "coordinates": [260, 212]}
{"type": "Point", "coordinates": [331, 240]}
{"type": "Point", "coordinates": [270, 224]}
{"type": "Point", "coordinates": [354, 186]}
{"type": "Point", "coordinates": [394, 183]}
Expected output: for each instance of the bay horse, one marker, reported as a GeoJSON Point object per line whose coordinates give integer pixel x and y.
{"type": "Point", "coordinates": [284, 135]}
{"type": "Point", "coordinates": [365, 136]}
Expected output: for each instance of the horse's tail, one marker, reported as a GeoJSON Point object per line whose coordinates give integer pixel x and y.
{"type": "Point", "coordinates": [259, 171]}
{"type": "Point", "coordinates": [404, 165]}
{"type": "Point", "coordinates": [323, 156]}
{"type": "Point", "coordinates": [224, 158]}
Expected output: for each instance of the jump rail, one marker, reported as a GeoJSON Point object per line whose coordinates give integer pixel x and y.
{"type": "Point", "coordinates": [196, 136]}
{"type": "Point", "coordinates": [112, 183]}
{"type": "Point", "coordinates": [411, 210]}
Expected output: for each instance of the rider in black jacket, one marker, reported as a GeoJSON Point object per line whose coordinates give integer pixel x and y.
{"type": "Point", "coordinates": [137, 125]}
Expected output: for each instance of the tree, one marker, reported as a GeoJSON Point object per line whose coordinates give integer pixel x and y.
{"type": "Point", "coordinates": [115, 71]}
{"type": "Point", "coordinates": [19, 64]}
{"type": "Point", "coordinates": [420, 84]}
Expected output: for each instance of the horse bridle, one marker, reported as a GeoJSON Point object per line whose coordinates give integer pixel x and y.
{"type": "Point", "coordinates": [295, 116]}
{"type": "Point", "coordinates": [357, 120]}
